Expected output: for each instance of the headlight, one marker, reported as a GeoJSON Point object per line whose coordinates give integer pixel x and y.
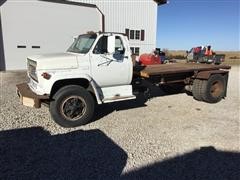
{"type": "Point", "coordinates": [32, 66]}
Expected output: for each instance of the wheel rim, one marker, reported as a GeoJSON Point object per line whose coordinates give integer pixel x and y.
{"type": "Point", "coordinates": [216, 88]}
{"type": "Point", "coordinates": [73, 108]}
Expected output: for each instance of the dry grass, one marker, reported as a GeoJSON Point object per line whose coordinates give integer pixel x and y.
{"type": "Point", "coordinates": [232, 57]}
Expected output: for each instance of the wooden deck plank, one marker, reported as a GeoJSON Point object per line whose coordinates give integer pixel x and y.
{"type": "Point", "coordinates": [161, 69]}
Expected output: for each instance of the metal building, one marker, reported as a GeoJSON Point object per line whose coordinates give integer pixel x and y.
{"type": "Point", "coordinates": [48, 26]}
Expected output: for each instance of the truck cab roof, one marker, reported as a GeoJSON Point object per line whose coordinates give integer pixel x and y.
{"type": "Point", "coordinates": [106, 33]}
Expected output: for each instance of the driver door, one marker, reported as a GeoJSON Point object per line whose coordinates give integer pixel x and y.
{"type": "Point", "coordinates": [110, 69]}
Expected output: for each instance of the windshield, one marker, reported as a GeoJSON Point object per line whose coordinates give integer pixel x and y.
{"type": "Point", "coordinates": [83, 44]}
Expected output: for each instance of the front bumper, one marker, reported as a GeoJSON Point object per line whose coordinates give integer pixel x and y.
{"type": "Point", "coordinates": [28, 97]}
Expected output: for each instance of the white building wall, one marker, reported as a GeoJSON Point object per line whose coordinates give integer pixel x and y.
{"type": "Point", "coordinates": [37, 23]}
{"type": "Point", "coordinates": [131, 14]}
{"type": "Point", "coordinates": [52, 26]}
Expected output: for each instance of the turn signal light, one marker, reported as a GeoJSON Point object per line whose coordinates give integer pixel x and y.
{"type": "Point", "coordinates": [45, 75]}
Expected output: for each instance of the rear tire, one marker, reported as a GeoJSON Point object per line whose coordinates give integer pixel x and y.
{"type": "Point", "coordinates": [197, 89]}
{"type": "Point", "coordinates": [214, 89]}
{"type": "Point", "coordinates": [72, 106]}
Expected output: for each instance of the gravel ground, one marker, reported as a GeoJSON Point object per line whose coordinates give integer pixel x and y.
{"type": "Point", "coordinates": [170, 137]}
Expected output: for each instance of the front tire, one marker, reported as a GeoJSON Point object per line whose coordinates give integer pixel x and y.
{"type": "Point", "coordinates": [72, 106]}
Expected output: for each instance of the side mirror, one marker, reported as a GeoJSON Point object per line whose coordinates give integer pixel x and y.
{"type": "Point", "coordinates": [111, 44]}
{"type": "Point", "coordinates": [75, 38]}
{"type": "Point", "coordinates": [119, 49]}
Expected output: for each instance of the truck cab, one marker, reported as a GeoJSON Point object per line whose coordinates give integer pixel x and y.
{"type": "Point", "coordinates": [107, 56]}
{"type": "Point", "coordinates": [99, 64]}
{"type": "Point", "coordinates": [102, 59]}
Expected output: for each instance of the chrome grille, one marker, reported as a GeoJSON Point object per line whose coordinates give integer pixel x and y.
{"type": "Point", "coordinates": [32, 69]}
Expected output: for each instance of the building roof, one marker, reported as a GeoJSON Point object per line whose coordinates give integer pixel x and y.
{"type": "Point", "coordinates": [62, 2]}
{"type": "Point", "coordinates": [160, 2]}
{"type": "Point", "coordinates": [2, 1]}
{"type": "Point", "coordinates": [71, 3]}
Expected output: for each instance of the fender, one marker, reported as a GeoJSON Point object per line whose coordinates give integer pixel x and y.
{"type": "Point", "coordinates": [206, 74]}
{"type": "Point", "coordinates": [48, 84]}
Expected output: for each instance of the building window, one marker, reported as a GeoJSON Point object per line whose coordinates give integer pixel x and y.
{"type": "Point", "coordinates": [131, 34]}
{"type": "Point", "coordinates": [135, 51]}
{"type": "Point", "coordinates": [132, 49]}
{"type": "Point", "coordinates": [137, 35]}
{"type": "Point", "coordinates": [127, 32]}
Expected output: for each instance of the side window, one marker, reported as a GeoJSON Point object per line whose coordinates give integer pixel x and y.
{"type": "Point", "coordinates": [101, 46]}
{"type": "Point", "coordinates": [119, 49]}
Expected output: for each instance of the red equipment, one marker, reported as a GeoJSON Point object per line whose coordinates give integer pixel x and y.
{"type": "Point", "coordinates": [150, 59]}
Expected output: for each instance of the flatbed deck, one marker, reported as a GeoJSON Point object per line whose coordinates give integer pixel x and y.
{"type": "Point", "coordinates": [176, 68]}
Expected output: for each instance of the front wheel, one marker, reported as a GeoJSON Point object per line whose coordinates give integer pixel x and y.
{"type": "Point", "coordinates": [72, 106]}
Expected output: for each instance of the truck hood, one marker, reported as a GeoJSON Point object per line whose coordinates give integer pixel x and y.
{"type": "Point", "coordinates": [55, 61]}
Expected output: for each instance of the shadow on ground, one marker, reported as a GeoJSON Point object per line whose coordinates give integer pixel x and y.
{"type": "Point", "coordinates": [139, 102]}
{"type": "Point", "coordinates": [204, 164]}
{"type": "Point", "coordinates": [33, 153]}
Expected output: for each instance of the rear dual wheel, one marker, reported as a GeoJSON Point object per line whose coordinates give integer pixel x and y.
{"type": "Point", "coordinates": [197, 89]}
{"type": "Point", "coordinates": [211, 90]}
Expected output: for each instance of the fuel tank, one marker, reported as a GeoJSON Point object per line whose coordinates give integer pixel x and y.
{"type": "Point", "coordinates": [150, 59]}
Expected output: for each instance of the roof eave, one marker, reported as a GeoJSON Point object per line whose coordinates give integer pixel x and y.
{"type": "Point", "coordinates": [2, 2]}
{"type": "Point", "coordinates": [160, 2]}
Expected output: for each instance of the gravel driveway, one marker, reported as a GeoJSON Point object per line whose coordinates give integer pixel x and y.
{"type": "Point", "coordinates": [169, 137]}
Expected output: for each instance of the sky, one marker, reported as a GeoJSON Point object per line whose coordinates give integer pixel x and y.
{"type": "Point", "coordinates": [183, 24]}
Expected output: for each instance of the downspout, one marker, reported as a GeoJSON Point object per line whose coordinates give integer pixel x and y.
{"type": "Point", "coordinates": [103, 19]}
{"type": "Point", "coordinates": [2, 56]}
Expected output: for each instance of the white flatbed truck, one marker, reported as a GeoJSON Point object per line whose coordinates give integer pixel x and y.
{"type": "Point", "coordinates": [98, 68]}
